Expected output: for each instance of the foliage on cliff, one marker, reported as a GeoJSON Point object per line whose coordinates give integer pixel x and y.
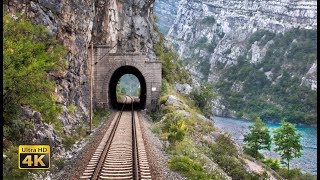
{"type": "Point", "coordinates": [288, 58]}
{"type": "Point", "coordinates": [184, 128]}
{"type": "Point", "coordinates": [30, 54]}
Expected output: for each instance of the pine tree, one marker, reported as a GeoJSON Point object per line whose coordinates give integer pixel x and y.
{"type": "Point", "coordinates": [287, 140]}
{"type": "Point", "coordinates": [258, 138]}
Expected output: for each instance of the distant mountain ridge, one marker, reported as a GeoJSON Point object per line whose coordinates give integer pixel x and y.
{"type": "Point", "coordinates": [214, 36]}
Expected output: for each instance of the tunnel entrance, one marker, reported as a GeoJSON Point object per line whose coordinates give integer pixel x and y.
{"type": "Point", "coordinates": [140, 101]}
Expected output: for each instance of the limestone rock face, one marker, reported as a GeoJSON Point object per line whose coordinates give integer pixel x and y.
{"type": "Point", "coordinates": [183, 88]}
{"type": "Point", "coordinates": [310, 79]}
{"type": "Point", "coordinates": [127, 26]}
{"type": "Point", "coordinates": [225, 25]}
{"type": "Point", "coordinates": [174, 101]}
{"type": "Point", "coordinates": [40, 132]}
{"type": "Point", "coordinates": [166, 10]}
{"type": "Point", "coordinates": [211, 35]}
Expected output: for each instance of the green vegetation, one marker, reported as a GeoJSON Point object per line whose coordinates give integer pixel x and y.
{"type": "Point", "coordinates": [176, 131]}
{"type": "Point", "coordinates": [72, 108]}
{"type": "Point", "coordinates": [29, 55]}
{"type": "Point", "coordinates": [295, 174]}
{"type": "Point", "coordinates": [182, 126]}
{"type": "Point", "coordinates": [203, 97]}
{"type": "Point", "coordinates": [180, 131]}
{"type": "Point", "coordinates": [287, 139]}
{"type": "Point", "coordinates": [272, 163]}
{"type": "Point", "coordinates": [189, 168]}
{"type": "Point", "coordinates": [10, 167]}
{"type": "Point", "coordinates": [79, 132]}
{"type": "Point", "coordinates": [186, 147]}
{"type": "Point", "coordinates": [287, 59]}
{"type": "Point", "coordinates": [120, 92]}
{"type": "Point", "coordinates": [201, 43]}
{"type": "Point", "coordinates": [225, 154]}
{"type": "Point", "coordinates": [263, 35]}
{"type": "Point", "coordinates": [258, 138]}
{"type": "Point", "coordinates": [99, 115]}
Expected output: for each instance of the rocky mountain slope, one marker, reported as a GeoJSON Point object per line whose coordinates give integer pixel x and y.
{"type": "Point", "coordinates": [212, 36]}
{"type": "Point", "coordinates": [127, 26]}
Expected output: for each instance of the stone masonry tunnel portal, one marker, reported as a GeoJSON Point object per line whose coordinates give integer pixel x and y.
{"type": "Point", "coordinates": [111, 66]}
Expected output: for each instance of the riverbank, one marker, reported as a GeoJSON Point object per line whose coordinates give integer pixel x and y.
{"type": "Point", "coordinates": [273, 122]}
{"type": "Point", "coordinates": [237, 128]}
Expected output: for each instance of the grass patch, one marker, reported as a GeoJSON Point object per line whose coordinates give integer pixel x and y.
{"type": "Point", "coordinates": [59, 163]}
{"type": "Point", "coordinates": [295, 174]}
{"type": "Point", "coordinates": [10, 166]}
{"type": "Point", "coordinates": [189, 168]}
{"type": "Point", "coordinates": [225, 154]}
{"type": "Point", "coordinates": [98, 115]}
{"type": "Point", "coordinates": [72, 108]}
{"type": "Point", "coordinates": [79, 132]}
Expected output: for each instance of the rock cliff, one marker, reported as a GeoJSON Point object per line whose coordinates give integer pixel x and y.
{"type": "Point", "coordinates": [211, 36]}
{"type": "Point", "coordinates": [123, 25]}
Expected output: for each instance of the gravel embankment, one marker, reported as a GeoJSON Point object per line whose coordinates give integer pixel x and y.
{"type": "Point", "coordinates": [157, 157]}
{"type": "Point", "coordinates": [74, 168]}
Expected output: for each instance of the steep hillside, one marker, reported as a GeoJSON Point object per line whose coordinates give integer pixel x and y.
{"type": "Point", "coordinates": [125, 26]}
{"type": "Point", "coordinates": [267, 39]}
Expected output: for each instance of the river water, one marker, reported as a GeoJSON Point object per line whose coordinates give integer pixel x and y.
{"type": "Point", "coordinates": [237, 128]}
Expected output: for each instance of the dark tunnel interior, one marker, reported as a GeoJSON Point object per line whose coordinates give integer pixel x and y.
{"type": "Point", "coordinates": [113, 88]}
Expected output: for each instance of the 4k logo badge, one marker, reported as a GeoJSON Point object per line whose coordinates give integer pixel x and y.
{"type": "Point", "coordinates": [34, 157]}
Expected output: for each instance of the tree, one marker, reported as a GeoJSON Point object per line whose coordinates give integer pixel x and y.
{"type": "Point", "coordinates": [29, 55]}
{"type": "Point", "coordinates": [258, 138]}
{"type": "Point", "coordinates": [203, 96]}
{"type": "Point", "coordinates": [287, 140]}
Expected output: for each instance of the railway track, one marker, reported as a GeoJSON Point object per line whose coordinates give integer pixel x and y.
{"type": "Point", "coordinates": [121, 153]}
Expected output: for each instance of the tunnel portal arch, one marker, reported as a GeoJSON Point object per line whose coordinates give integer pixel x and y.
{"type": "Point", "coordinates": [111, 66]}
{"type": "Point", "coordinates": [118, 73]}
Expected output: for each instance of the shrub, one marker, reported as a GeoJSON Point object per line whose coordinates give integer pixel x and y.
{"type": "Point", "coordinates": [72, 108]}
{"type": "Point", "coordinates": [226, 145]}
{"type": "Point", "coordinates": [177, 131]}
{"type": "Point", "coordinates": [10, 166]}
{"type": "Point", "coordinates": [29, 55]}
{"type": "Point", "coordinates": [295, 174]}
{"type": "Point", "coordinates": [98, 115]}
{"type": "Point", "coordinates": [175, 126]}
{"type": "Point", "coordinates": [68, 141]}
{"type": "Point", "coordinates": [272, 163]}
{"type": "Point", "coordinates": [253, 153]}
{"type": "Point", "coordinates": [232, 167]}
{"type": "Point", "coordinates": [188, 167]}
{"type": "Point", "coordinates": [165, 87]}
{"type": "Point", "coordinates": [203, 97]}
